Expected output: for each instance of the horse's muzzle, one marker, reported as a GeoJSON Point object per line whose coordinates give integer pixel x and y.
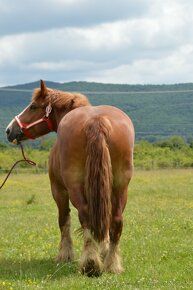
{"type": "Point", "coordinates": [14, 135]}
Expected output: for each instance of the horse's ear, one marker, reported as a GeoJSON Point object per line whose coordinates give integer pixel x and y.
{"type": "Point", "coordinates": [44, 90]}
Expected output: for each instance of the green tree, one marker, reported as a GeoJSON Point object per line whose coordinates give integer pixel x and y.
{"type": "Point", "coordinates": [174, 142]}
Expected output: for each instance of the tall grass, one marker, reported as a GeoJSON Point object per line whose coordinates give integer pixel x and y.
{"type": "Point", "coordinates": [156, 243]}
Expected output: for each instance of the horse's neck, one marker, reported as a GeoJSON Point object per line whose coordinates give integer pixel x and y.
{"type": "Point", "coordinates": [58, 115]}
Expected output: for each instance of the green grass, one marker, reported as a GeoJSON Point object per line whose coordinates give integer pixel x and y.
{"type": "Point", "coordinates": [156, 243]}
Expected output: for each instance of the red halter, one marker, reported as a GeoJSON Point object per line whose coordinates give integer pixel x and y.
{"type": "Point", "coordinates": [25, 127]}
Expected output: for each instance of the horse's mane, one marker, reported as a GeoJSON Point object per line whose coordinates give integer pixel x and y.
{"type": "Point", "coordinates": [60, 99]}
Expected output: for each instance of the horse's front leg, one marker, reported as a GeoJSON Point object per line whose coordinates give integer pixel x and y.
{"type": "Point", "coordinates": [62, 200]}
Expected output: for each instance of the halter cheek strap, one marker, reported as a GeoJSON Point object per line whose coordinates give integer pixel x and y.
{"type": "Point", "coordinates": [25, 127]}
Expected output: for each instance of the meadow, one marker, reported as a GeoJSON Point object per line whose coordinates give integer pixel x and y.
{"type": "Point", "coordinates": [156, 243]}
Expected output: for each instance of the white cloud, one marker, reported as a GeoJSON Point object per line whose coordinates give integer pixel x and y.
{"type": "Point", "coordinates": [121, 41]}
{"type": "Point", "coordinates": [174, 68]}
{"type": "Point", "coordinates": [11, 50]}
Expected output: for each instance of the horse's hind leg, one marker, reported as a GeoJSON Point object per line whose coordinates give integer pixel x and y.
{"type": "Point", "coordinates": [62, 200]}
{"type": "Point", "coordinates": [90, 262]}
{"type": "Point", "coordinates": [112, 262]}
{"type": "Point", "coordinates": [104, 248]}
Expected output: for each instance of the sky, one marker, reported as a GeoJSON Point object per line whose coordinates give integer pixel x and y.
{"type": "Point", "coordinates": [109, 41]}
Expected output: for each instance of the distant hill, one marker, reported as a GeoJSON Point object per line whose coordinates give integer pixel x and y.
{"type": "Point", "coordinates": [157, 111]}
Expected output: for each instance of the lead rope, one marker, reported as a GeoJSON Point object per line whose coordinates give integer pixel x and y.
{"type": "Point", "coordinates": [22, 160]}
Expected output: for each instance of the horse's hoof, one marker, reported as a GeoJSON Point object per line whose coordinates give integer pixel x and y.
{"type": "Point", "coordinates": [64, 257]}
{"type": "Point", "coordinates": [91, 269]}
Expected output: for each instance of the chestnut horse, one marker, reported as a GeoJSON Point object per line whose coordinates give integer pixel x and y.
{"type": "Point", "coordinates": [90, 164]}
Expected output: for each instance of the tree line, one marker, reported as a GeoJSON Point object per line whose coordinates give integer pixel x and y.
{"type": "Point", "coordinates": [172, 152]}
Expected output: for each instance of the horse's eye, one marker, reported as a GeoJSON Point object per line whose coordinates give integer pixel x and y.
{"type": "Point", "coordinates": [33, 107]}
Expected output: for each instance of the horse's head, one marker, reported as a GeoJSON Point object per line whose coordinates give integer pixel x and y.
{"type": "Point", "coordinates": [34, 121]}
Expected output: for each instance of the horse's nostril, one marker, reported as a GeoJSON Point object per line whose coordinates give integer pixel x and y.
{"type": "Point", "coordinates": [7, 131]}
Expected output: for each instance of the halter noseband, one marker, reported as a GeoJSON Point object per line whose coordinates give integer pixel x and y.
{"type": "Point", "coordinates": [25, 127]}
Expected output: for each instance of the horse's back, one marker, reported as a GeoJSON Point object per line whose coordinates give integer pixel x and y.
{"type": "Point", "coordinates": [71, 142]}
{"type": "Point", "coordinates": [76, 120]}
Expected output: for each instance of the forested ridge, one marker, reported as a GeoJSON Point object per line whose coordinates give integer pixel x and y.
{"type": "Point", "coordinates": [157, 111]}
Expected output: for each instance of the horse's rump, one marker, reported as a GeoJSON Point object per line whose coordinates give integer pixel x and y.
{"type": "Point", "coordinates": [98, 176]}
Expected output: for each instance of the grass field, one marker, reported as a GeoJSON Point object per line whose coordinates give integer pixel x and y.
{"type": "Point", "coordinates": [156, 244]}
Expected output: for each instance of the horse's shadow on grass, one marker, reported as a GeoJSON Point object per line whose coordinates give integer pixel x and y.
{"type": "Point", "coordinates": [41, 269]}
